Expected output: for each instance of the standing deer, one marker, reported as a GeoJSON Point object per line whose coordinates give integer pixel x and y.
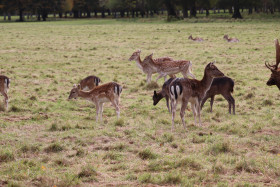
{"type": "Point", "coordinates": [191, 90]}
{"type": "Point", "coordinates": [109, 92]}
{"type": "Point", "coordinates": [196, 39]}
{"type": "Point", "coordinates": [147, 68]}
{"type": "Point", "coordinates": [163, 93]}
{"type": "Point", "coordinates": [4, 88]}
{"type": "Point", "coordinates": [230, 39]}
{"type": "Point", "coordinates": [170, 67]}
{"type": "Point", "coordinates": [275, 71]}
{"type": "Point", "coordinates": [89, 83]}
{"type": "Point", "coordinates": [223, 86]}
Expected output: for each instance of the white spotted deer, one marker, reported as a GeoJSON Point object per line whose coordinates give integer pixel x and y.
{"type": "Point", "coordinates": [147, 68]}
{"type": "Point", "coordinates": [170, 67]}
{"type": "Point", "coordinates": [196, 39]}
{"type": "Point", "coordinates": [230, 39]}
{"type": "Point", "coordinates": [109, 92]}
{"type": "Point", "coordinates": [4, 88]}
{"type": "Point", "coordinates": [275, 71]}
{"type": "Point", "coordinates": [191, 90]}
{"type": "Point", "coordinates": [89, 83]}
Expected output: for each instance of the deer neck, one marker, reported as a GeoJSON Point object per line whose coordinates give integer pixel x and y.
{"type": "Point", "coordinates": [84, 94]}
{"type": "Point", "coordinates": [139, 63]}
{"type": "Point", "coordinates": [206, 82]}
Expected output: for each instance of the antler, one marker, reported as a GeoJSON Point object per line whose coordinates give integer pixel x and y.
{"type": "Point", "coordinates": [277, 47]}
{"type": "Point", "coordinates": [271, 67]}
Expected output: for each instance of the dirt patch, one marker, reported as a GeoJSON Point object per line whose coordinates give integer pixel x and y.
{"type": "Point", "coordinates": [17, 118]}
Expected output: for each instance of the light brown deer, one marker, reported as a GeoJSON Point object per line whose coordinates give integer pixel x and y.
{"type": "Point", "coordinates": [4, 88]}
{"type": "Point", "coordinates": [275, 71]}
{"type": "Point", "coordinates": [196, 39]}
{"type": "Point", "coordinates": [147, 68]}
{"type": "Point", "coordinates": [191, 90]}
{"type": "Point", "coordinates": [170, 67]}
{"type": "Point", "coordinates": [89, 83]}
{"type": "Point", "coordinates": [109, 92]}
{"type": "Point", "coordinates": [230, 39]}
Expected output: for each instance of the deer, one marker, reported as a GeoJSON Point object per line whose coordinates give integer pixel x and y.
{"type": "Point", "coordinates": [146, 68]}
{"type": "Point", "coordinates": [223, 86]}
{"type": "Point", "coordinates": [4, 88]}
{"type": "Point", "coordinates": [275, 71]}
{"type": "Point", "coordinates": [109, 92]}
{"type": "Point", "coordinates": [89, 83]}
{"type": "Point", "coordinates": [196, 39]}
{"type": "Point", "coordinates": [170, 67]}
{"type": "Point", "coordinates": [184, 90]}
{"type": "Point", "coordinates": [230, 39]}
{"type": "Point", "coordinates": [163, 94]}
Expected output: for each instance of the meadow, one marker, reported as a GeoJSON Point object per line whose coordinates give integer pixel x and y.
{"type": "Point", "coordinates": [46, 140]}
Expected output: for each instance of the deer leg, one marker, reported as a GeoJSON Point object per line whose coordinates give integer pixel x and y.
{"type": "Point", "coordinates": [167, 103]}
{"type": "Point", "coordinates": [149, 77]}
{"type": "Point", "coordinates": [203, 101]}
{"type": "Point", "coordinates": [160, 76]}
{"type": "Point", "coordinates": [229, 102]}
{"type": "Point", "coordinates": [211, 102]}
{"type": "Point", "coordinates": [233, 104]}
{"type": "Point", "coordinates": [198, 111]}
{"type": "Point", "coordinates": [97, 111]}
{"type": "Point", "coordinates": [101, 111]}
{"type": "Point", "coordinates": [117, 108]}
{"type": "Point", "coordinates": [173, 108]}
{"type": "Point", "coordinates": [194, 112]}
{"type": "Point", "coordinates": [6, 100]}
{"type": "Point", "coordinates": [182, 113]}
{"type": "Point", "coordinates": [165, 78]}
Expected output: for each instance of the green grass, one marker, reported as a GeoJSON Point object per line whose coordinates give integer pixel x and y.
{"type": "Point", "coordinates": [47, 140]}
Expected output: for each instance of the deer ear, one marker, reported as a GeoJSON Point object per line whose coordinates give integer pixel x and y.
{"type": "Point", "coordinates": [139, 50]}
{"type": "Point", "coordinates": [79, 86]}
{"type": "Point", "coordinates": [74, 85]}
{"type": "Point", "coordinates": [155, 93]}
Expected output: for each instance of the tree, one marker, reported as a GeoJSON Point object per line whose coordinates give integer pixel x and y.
{"type": "Point", "coordinates": [236, 13]}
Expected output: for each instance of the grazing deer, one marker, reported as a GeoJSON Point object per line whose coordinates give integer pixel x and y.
{"type": "Point", "coordinates": [170, 67]}
{"type": "Point", "coordinates": [191, 90]}
{"type": "Point", "coordinates": [4, 88]}
{"type": "Point", "coordinates": [163, 93]}
{"type": "Point", "coordinates": [109, 92]}
{"type": "Point", "coordinates": [89, 83]}
{"type": "Point", "coordinates": [196, 39]}
{"type": "Point", "coordinates": [146, 68]}
{"type": "Point", "coordinates": [230, 39]}
{"type": "Point", "coordinates": [223, 86]}
{"type": "Point", "coordinates": [275, 71]}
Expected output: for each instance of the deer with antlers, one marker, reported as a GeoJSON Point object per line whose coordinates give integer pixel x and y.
{"type": "Point", "coordinates": [230, 39]}
{"type": "Point", "coordinates": [196, 39]}
{"type": "Point", "coordinates": [89, 83]}
{"type": "Point", "coordinates": [170, 67]}
{"type": "Point", "coordinates": [109, 92]}
{"type": "Point", "coordinates": [275, 71]}
{"type": "Point", "coordinates": [147, 68]}
{"type": "Point", "coordinates": [184, 90]}
{"type": "Point", "coordinates": [4, 88]}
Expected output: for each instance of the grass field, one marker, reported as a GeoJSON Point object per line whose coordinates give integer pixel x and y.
{"type": "Point", "coordinates": [46, 140]}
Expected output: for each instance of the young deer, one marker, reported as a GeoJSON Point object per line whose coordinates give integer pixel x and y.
{"type": "Point", "coordinates": [89, 83]}
{"type": "Point", "coordinates": [163, 93]}
{"type": "Point", "coordinates": [230, 39]}
{"type": "Point", "coordinates": [275, 71]}
{"type": "Point", "coordinates": [109, 92]}
{"type": "Point", "coordinates": [170, 67]}
{"type": "Point", "coordinates": [191, 90]}
{"type": "Point", "coordinates": [223, 86]}
{"type": "Point", "coordinates": [196, 39]}
{"type": "Point", "coordinates": [147, 68]}
{"type": "Point", "coordinates": [4, 88]}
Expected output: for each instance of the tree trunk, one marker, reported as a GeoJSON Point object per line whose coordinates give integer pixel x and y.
{"type": "Point", "coordinates": [230, 10]}
{"type": "Point", "coordinates": [109, 12]}
{"type": "Point", "coordinates": [5, 16]}
{"type": "Point", "coordinates": [122, 13]}
{"type": "Point", "coordinates": [9, 16]}
{"type": "Point", "coordinates": [95, 13]}
{"type": "Point", "coordinates": [103, 13]}
{"type": "Point", "coordinates": [236, 13]}
{"type": "Point", "coordinates": [76, 14]}
{"type": "Point", "coordinates": [207, 12]}
{"type": "Point", "coordinates": [88, 14]}
{"type": "Point", "coordinates": [21, 18]}
{"type": "Point", "coordinates": [39, 17]}
{"type": "Point", "coordinates": [65, 15]}
{"type": "Point", "coordinates": [60, 14]}
{"type": "Point", "coordinates": [170, 9]}
{"type": "Point", "coordinates": [185, 13]}
{"type": "Point", "coordinates": [133, 13]}
{"type": "Point", "coordinates": [250, 10]}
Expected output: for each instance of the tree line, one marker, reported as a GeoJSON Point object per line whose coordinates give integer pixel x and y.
{"type": "Point", "coordinates": [131, 8]}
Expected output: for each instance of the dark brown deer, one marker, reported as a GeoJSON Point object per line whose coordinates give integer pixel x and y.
{"type": "Point", "coordinates": [196, 39]}
{"type": "Point", "coordinates": [186, 90]}
{"type": "Point", "coordinates": [223, 86]}
{"type": "Point", "coordinates": [230, 39]}
{"type": "Point", "coordinates": [4, 87]}
{"type": "Point", "coordinates": [163, 93]}
{"type": "Point", "coordinates": [275, 71]}
{"type": "Point", "coordinates": [89, 83]}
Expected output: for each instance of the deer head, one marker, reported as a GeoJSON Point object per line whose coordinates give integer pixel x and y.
{"type": "Point", "coordinates": [275, 71]}
{"type": "Point", "coordinates": [148, 58]}
{"type": "Point", "coordinates": [156, 98]}
{"type": "Point", "coordinates": [190, 37]}
{"type": "Point", "coordinates": [135, 55]}
{"type": "Point", "coordinates": [226, 36]}
{"type": "Point", "coordinates": [212, 71]}
{"type": "Point", "coordinates": [74, 92]}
